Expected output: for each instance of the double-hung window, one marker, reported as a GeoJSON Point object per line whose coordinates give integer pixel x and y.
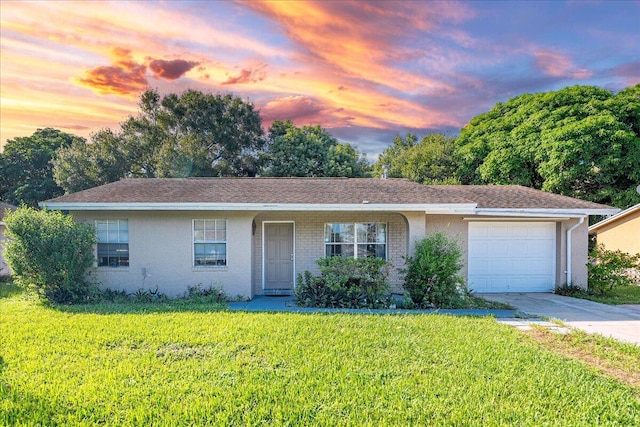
{"type": "Point", "coordinates": [209, 242]}
{"type": "Point", "coordinates": [113, 242]}
{"type": "Point", "coordinates": [358, 240]}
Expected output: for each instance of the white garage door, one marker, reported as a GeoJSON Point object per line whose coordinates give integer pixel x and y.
{"type": "Point", "coordinates": [512, 256]}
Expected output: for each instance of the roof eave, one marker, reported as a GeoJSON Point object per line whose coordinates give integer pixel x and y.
{"type": "Point", "coordinates": [457, 208]}
{"type": "Point", "coordinates": [616, 217]}
{"type": "Point", "coordinates": [544, 213]}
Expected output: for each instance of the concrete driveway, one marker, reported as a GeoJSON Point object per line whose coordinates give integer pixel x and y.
{"type": "Point", "coordinates": [620, 322]}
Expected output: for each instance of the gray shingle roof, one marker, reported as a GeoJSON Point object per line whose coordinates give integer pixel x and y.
{"type": "Point", "coordinates": [317, 191]}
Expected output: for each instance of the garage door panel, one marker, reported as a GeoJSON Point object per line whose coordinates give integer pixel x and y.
{"type": "Point", "coordinates": [511, 257]}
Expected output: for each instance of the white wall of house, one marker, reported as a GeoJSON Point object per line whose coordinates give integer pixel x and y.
{"type": "Point", "coordinates": [161, 246]}
{"type": "Point", "coordinates": [161, 253]}
{"type": "Point", "coordinates": [309, 239]}
{"type": "Point", "coordinates": [4, 268]}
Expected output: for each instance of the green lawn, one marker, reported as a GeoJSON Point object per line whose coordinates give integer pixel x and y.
{"type": "Point", "coordinates": [145, 366]}
{"type": "Point", "coordinates": [618, 295]}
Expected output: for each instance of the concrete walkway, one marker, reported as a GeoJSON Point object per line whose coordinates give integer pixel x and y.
{"type": "Point", "coordinates": [287, 304]}
{"type": "Point", "coordinates": [619, 322]}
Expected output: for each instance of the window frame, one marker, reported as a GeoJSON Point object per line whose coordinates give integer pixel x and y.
{"type": "Point", "coordinates": [355, 243]}
{"type": "Point", "coordinates": [195, 242]}
{"type": "Point", "coordinates": [119, 242]}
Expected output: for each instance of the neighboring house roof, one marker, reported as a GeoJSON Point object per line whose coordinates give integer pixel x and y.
{"type": "Point", "coordinates": [615, 218]}
{"type": "Point", "coordinates": [317, 193]}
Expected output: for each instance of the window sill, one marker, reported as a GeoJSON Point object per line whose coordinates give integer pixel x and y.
{"type": "Point", "coordinates": [119, 269]}
{"type": "Point", "coordinates": [210, 268]}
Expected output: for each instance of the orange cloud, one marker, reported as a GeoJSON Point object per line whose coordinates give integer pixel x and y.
{"type": "Point", "coordinates": [124, 77]}
{"type": "Point", "coordinates": [558, 65]}
{"type": "Point", "coordinates": [248, 75]}
{"type": "Point", "coordinates": [363, 39]}
{"type": "Point", "coordinates": [171, 70]}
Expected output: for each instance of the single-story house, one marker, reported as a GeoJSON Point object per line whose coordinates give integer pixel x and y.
{"type": "Point", "coordinates": [620, 231]}
{"type": "Point", "coordinates": [252, 236]}
{"type": "Point", "coordinates": [4, 208]}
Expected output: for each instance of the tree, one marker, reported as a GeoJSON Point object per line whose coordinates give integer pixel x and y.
{"type": "Point", "coordinates": [191, 134]}
{"type": "Point", "coordinates": [49, 254]}
{"type": "Point", "coordinates": [430, 161]}
{"type": "Point", "coordinates": [580, 141]}
{"type": "Point", "coordinates": [310, 151]}
{"type": "Point", "coordinates": [81, 165]}
{"type": "Point", "coordinates": [26, 171]}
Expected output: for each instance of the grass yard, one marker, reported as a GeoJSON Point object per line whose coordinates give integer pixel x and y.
{"type": "Point", "coordinates": [136, 366]}
{"type": "Point", "coordinates": [618, 295]}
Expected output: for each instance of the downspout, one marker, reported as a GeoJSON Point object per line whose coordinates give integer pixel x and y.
{"type": "Point", "coordinates": [573, 227]}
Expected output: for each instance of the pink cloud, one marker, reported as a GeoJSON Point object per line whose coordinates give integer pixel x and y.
{"type": "Point", "coordinates": [248, 75]}
{"type": "Point", "coordinates": [303, 110]}
{"type": "Point", "coordinates": [630, 72]}
{"type": "Point", "coordinates": [171, 70]}
{"type": "Point", "coordinates": [558, 65]}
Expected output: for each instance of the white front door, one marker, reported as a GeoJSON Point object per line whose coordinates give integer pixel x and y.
{"type": "Point", "coordinates": [512, 256]}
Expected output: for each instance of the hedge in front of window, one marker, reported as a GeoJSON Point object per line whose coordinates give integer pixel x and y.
{"type": "Point", "coordinates": [345, 282]}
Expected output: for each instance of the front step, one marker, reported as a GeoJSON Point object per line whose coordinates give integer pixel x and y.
{"type": "Point", "coordinates": [277, 292]}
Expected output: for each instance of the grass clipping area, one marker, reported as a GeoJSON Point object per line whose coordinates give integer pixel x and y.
{"type": "Point", "coordinates": [233, 368]}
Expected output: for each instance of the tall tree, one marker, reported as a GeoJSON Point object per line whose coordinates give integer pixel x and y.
{"type": "Point", "coordinates": [190, 134]}
{"type": "Point", "coordinates": [310, 151]}
{"type": "Point", "coordinates": [580, 141]}
{"type": "Point", "coordinates": [430, 161]}
{"type": "Point", "coordinates": [26, 171]}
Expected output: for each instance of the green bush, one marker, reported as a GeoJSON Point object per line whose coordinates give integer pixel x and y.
{"type": "Point", "coordinates": [49, 254]}
{"type": "Point", "coordinates": [345, 283]}
{"type": "Point", "coordinates": [432, 274]}
{"type": "Point", "coordinates": [607, 269]}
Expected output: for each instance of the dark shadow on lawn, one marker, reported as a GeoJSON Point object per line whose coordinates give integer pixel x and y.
{"type": "Point", "coordinates": [141, 308]}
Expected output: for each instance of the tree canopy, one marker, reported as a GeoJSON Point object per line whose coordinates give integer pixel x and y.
{"type": "Point", "coordinates": [430, 161]}
{"type": "Point", "coordinates": [579, 141]}
{"type": "Point", "coordinates": [310, 151]}
{"type": "Point", "coordinates": [190, 134]}
{"type": "Point", "coordinates": [26, 171]}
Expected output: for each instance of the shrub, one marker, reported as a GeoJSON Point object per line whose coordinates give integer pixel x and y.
{"type": "Point", "coordinates": [607, 269]}
{"type": "Point", "coordinates": [49, 254]}
{"type": "Point", "coordinates": [432, 274]}
{"type": "Point", "coordinates": [345, 283]}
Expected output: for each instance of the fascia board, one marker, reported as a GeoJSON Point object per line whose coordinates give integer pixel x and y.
{"type": "Point", "coordinates": [615, 217]}
{"type": "Point", "coordinates": [427, 208]}
{"type": "Point", "coordinates": [573, 213]}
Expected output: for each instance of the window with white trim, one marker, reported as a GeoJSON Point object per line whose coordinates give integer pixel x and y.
{"type": "Point", "coordinates": [113, 242]}
{"type": "Point", "coordinates": [358, 240]}
{"type": "Point", "coordinates": [209, 242]}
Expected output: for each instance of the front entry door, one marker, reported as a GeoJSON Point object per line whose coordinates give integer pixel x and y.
{"type": "Point", "coordinates": [278, 258]}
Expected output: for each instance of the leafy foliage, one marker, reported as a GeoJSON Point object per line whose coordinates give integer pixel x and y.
{"type": "Point", "coordinates": [344, 282]}
{"type": "Point", "coordinates": [26, 171]}
{"type": "Point", "coordinates": [49, 254]}
{"type": "Point", "coordinates": [432, 274]}
{"type": "Point", "coordinates": [608, 269]}
{"type": "Point", "coordinates": [580, 141]}
{"type": "Point", "coordinates": [430, 161]}
{"type": "Point", "coordinates": [191, 134]}
{"type": "Point", "coordinates": [310, 151]}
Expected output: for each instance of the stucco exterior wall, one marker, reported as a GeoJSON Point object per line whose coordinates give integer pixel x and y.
{"type": "Point", "coordinates": [309, 239]}
{"type": "Point", "coordinates": [161, 245]}
{"type": "Point", "coordinates": [455, 227]}
{"type": "Point", "coordinates": [579, 253]}
{"type": "Point", "coordinates": [4, 268]}
{"type": "Point", "coordinates": [622, 234]}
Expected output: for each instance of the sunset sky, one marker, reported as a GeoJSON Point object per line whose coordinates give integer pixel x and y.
{"type": "Point", "coordinates": [364, 70]}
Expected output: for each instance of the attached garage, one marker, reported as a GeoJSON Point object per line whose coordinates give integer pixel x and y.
{"type": "Point", "coordinates": [512, 256]}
